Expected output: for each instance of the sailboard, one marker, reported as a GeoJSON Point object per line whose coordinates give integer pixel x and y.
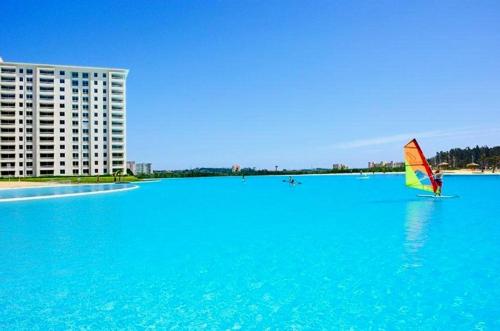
{"type": "Point", "coordinates": [432, 196]}
{"type": "Point", "coordinates": [418, 173]}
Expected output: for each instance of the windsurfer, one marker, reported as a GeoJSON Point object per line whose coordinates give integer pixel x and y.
{"type": "Point", "coordinates": [438, 177]}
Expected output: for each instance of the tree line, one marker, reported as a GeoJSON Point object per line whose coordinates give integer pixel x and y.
{"type": "Point", "coordinates": [485, 157]}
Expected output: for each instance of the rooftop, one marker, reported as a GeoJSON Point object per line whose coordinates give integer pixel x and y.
{"type": "Point", "coordinates": [61, 66]}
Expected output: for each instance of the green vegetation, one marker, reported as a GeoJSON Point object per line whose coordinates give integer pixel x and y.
{"type": "Point", "coordinates": [76, 179]}
{"type": "Point", "coordinates": [214, 172]}
{"type": "Point", "coordinates": [458, 158]}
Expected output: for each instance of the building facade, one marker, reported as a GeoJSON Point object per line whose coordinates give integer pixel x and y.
{"type": "Point", "coordinates": [385, 164]}
{"type": "Point", "coordinates": [131, 166]}
{"type": "Point", "coordinates": [143, 168]}
{"type": "Point", "coordinates": [61, 120]}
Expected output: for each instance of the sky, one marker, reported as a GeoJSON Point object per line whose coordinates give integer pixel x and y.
{"type": "Point", "coordinates": [296, 84]}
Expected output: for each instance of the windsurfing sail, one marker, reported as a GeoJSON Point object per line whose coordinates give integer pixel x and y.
{"type": "Point", "coordinates": [418, 172]}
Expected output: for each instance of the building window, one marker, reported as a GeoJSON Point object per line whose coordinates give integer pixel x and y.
{"type": "Point", "coordinates": [62, 73]}
{"type": "Point", "coordinates": [29, 71]}
{"type": "Point", "coordinates": [85, 75]}
{"type": "Point", "coordinates": [61, 89]}
{"type": "Point", "coordinates": [61, 81]}
{"type": "Point", "coordinates": [74, 74]}
{"type": "Point", "coordinates": [74, 83]}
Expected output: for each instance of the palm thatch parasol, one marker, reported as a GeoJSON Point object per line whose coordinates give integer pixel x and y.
{"type": "Point", "coordinates": [472, 165]}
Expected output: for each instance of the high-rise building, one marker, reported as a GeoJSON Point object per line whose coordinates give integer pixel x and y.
{"type": "Point", "coordinates": [61, 120]}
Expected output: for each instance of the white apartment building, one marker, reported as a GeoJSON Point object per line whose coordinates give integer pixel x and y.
{"type": "Point", "coordinates": [61, 120]}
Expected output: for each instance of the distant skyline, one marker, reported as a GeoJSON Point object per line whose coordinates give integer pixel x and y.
{"type": "Point", "coordinates": [296, 84]}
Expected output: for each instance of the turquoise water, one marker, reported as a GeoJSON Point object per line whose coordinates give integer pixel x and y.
{"type": "Point", "coordinates": [29, 193]}
{"type": "Point", "coordinates": [219, 253]}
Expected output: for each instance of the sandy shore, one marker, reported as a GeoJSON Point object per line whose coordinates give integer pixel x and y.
{"type": "Point", "coordinates": [19, 184]}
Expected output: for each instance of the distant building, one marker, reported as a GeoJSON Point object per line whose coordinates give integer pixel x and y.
{"type": "Point", "coordinates": [385, 164]}
{"type": "Point", "coordinates": [235, 168]}
{"type": "Point", "coordinates": [339, 166]}
{"type": "Point", "coordinates": [131, 166]}
{"type": "Point", "coordinates": [143, 169]}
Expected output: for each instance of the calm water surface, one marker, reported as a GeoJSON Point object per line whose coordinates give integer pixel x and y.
{"type": "Point", "coordinates": [219, 253]}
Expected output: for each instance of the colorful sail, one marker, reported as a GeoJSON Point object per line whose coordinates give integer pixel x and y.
{"type": "Point", "coordinates": [418, 172]}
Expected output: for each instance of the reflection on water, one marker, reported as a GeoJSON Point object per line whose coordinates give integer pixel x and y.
{"type": "Point", "coordinates": [418, 215]}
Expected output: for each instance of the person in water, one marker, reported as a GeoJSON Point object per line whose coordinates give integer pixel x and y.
{"type": "Point", "coordinates": [438, 177]}
{"type": "Point", "coordinates": [291, 180]}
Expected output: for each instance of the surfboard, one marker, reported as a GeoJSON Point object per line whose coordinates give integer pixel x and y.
{"type": "Point", "coordinates": [437, 196]}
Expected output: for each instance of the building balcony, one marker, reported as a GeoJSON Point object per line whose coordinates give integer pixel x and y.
{"type": "Point", "coordinates": [46, 72]}
{"type": "Point", "coordinates": [7, 123]}
{"type": "Point", "coordinates": [5, 113]}
{"type": "Point", "coordinates": [5, 96]}
{"type": "Point", "coordinates": [7, 88]}
{"type": "Point", "coordinates": [45, 97]}
{"type": "Point", "coordinates": [46, 81]}
{"type": "Point", "coordinates": [8, 71]}
{"type": "Point", "coordinates": [7, 104]}
{"type": "Point", "coordinates": [7, 79]}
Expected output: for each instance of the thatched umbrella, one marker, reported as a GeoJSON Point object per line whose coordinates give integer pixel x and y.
{"type": "Point", "coordinates": [472, 166]}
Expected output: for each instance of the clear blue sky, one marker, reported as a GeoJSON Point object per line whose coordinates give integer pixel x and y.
{"type": "Point", "coordinates": [292, 83]}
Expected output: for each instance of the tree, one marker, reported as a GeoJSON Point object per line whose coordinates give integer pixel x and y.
{"type": "Point", "coordinates": [494, 161]}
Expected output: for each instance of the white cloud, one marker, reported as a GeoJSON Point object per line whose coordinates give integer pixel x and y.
{"type": "Point", "coordinates": [404, 137]}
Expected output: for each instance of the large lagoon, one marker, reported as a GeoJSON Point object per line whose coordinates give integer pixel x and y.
{"type": "Point", "coordinates": [335, 252]}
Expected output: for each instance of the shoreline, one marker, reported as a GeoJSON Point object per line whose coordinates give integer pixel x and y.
{"type": "Point", "coordinates": [10, 185]}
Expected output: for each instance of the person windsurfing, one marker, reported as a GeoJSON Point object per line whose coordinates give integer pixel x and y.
{"type": "Point", "coordinates": [438, 177]}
